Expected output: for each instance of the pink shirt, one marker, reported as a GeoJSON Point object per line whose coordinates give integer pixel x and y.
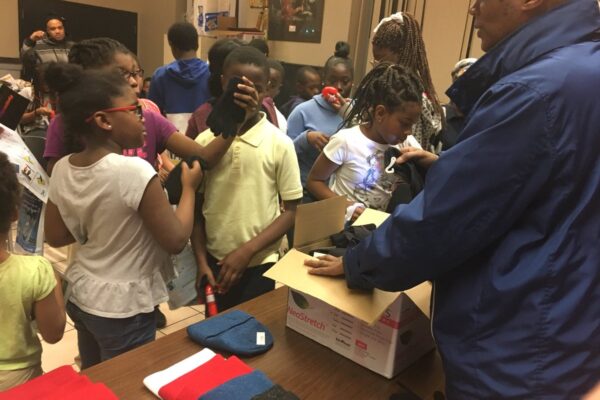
{"type": "Point", "coordinates": [158, 132]}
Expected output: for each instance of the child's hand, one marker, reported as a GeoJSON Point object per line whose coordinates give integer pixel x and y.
{"type": "Point", "coordinates": [325, 265]}
{"type": "Point", "coordinates": [339, 102]}
{"type": "Point", "coordinates": [43, 111]}
{"type": "Point", "coordinates": [232, 268]}
{"type": "Point", "coordinates": [357, 213]}
{"type": "Point", "coordinates": [163, 174]}
{"type": "Point", "coordinates": [423, 158]}
{"type": "Point", "coordinates": [248, 100]}
{"type": "Point", "coordinates": [191, 178]}
{"type": "Point", "coordinates": [317, 139]}
{"type": "Point", "coordinates": [204, 271]}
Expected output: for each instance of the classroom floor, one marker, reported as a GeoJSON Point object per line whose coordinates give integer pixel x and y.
{"type": "Point", "coordinates": [65, 351]}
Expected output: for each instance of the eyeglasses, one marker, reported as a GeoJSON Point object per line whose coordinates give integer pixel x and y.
{"type": "Point", "coordinates": [131, 74]}
{"type": "Point", "coordinates": [137, 110]}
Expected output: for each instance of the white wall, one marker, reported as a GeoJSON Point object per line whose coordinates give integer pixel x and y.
{"type": "Point", "coordinates": [444, 29]}
{"type": "Point", "coordinates": [9, 22]}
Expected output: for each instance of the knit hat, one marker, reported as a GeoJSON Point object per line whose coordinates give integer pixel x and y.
{"type": "Point", "coordinates": [276, 393]}
{"type": "Point", "coordinates": [235, 332]}
{"type": "Point", "coordinates": [243, 387]}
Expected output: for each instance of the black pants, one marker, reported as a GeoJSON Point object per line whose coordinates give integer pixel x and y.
{"type": "Point", "coordinates": [252, 284]}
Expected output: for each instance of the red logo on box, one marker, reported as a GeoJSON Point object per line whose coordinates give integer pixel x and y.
{"type": "Point", "coordinates": [389, 322]}
{"type": "Point", "coordinates": [361, 345]}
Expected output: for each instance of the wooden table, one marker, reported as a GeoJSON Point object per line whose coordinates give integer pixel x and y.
{"type": "Point", "coordinates": [297, 363]}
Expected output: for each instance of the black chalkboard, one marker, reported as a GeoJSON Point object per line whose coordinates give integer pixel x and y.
{"type": "Point", "coordinates": [81, 21]}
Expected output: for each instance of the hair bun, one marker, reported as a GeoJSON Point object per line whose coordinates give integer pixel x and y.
{"type": "Point", "coordinates": [60, 77]}
{"type": "Point", "coordinates": [342, 49]}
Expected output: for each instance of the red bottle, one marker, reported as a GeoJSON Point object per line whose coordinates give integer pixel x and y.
{"type": "Point", "coordinates": [211, 304]}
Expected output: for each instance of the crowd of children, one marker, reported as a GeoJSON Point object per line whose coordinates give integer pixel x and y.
{"type": "Point", "coordinates": [107, 143]}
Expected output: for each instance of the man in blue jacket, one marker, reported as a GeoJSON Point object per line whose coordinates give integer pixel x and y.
{"type": "Point", "coordinates": [180, 87]}
{"type": "Point", "coordinates": [508, 224]}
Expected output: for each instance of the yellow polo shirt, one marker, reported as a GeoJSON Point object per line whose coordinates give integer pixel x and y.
{"type": "Point", "coordinates": [241, 191]}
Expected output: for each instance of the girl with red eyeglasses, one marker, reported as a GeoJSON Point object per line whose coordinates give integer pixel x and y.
{"type": "Point", "coordinates": [114, 209]}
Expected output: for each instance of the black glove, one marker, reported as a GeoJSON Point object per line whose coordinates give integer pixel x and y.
{"type": "Point", "coordinates": [390, 153]}
{"type": "Point", "coordinates": [411, 179]}
{"type": "Point", "coordinates": [226, 115]}
{"type": "Point", "coordinates": [351, 235]}
{"type": "Point", "coordinates": [173, 183]}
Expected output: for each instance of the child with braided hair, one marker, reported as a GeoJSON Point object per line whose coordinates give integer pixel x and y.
{"type": "Point", "coordinates": [398, 40]}
{"type": "Point", "coordinates": [386, 106]}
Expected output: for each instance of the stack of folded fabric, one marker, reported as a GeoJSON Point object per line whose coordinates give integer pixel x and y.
{"type": "Point", "coordinates": [209, 376]}
{"type": "Point", "coordinates": [62, 383]}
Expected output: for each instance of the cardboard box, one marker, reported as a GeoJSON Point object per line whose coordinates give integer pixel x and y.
{"type": "Point", "coordinates": [205, 14]}
{"type": "Point", "coordinates": [225, 22]}
{"type": "Point", "coordinates": [382, 331]}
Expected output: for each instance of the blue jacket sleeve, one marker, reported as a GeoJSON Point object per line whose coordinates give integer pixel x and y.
{"type": "Point", "coordinates": [472, 196]}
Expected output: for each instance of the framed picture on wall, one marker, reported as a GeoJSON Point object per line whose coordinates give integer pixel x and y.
{"type": "Point", "coordinates": [296, 20]}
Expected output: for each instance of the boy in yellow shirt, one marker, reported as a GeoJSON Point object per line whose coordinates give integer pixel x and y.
{"type": "Point", "coordinates": [239, 231]}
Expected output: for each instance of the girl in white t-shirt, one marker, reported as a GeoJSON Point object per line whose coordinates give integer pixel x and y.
{"type": "Point", "coordinates": [114, 208]}
{"type": "Point", "coordinates": [386, 106]}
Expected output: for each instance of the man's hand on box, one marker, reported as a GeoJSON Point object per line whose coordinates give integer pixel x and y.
{"type": "Point", "coordinates": [325, 265]}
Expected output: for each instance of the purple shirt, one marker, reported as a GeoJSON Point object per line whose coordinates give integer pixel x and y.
{"type": "Point", "coordinates": [158, 132]}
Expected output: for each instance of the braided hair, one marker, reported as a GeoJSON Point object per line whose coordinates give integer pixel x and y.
{"type": "Point", "coordinates": [386, 84]}
{"type": "Point", "coordinates": [404, 39]}
{"type": "Point", "coordinates": [96, 53]}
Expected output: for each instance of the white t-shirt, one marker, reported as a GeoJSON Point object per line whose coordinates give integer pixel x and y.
{"type": "Point", "coordinates": [281, 121]}
{"type": "Point", "coordinates": [119, 270]}
{"type": "Point", "coordinates": [361, 176]}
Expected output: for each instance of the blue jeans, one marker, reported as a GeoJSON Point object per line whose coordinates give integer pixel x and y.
{"type": "Point", "coordinates": [100, 338]}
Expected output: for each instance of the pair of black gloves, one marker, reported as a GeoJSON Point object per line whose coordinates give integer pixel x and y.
{"type": "Point", "coordinates": [226, 115]}
{"type": "Point", "coordinates": [223, 120]}
{"type": "Point", "coordinates": [412, 179]}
